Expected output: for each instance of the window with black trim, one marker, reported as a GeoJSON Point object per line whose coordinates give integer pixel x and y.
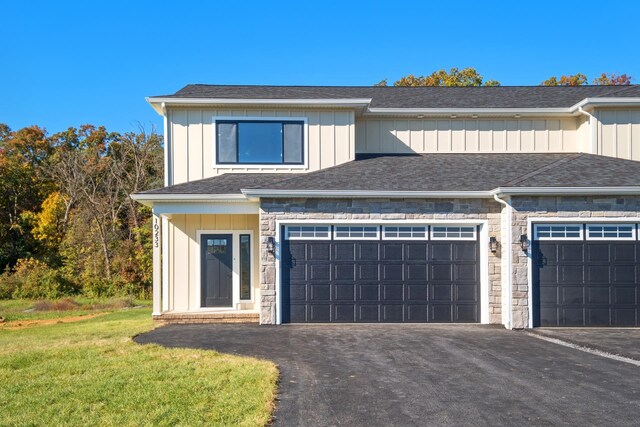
{"type": "Point", "coordinates": [260, 142]}
{"type": "Point", "coordinates": [245, 266]}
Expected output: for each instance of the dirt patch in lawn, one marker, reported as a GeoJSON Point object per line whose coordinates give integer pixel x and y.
{"type": "Point", "coordinates": [21, 324]}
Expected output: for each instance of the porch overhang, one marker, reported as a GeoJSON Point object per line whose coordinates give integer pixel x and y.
{"type": "Point", "coordinates": [175, 204]}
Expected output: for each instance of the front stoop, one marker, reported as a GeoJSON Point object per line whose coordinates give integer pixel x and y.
{"type": "Point", "coordinates": [222, 317]}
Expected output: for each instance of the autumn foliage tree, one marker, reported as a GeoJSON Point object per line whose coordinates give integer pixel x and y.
{"type": "Point", "coordinates": [65, 211]}
{"type": "Point", "coordinates": [454, 77]}
{"type": "Point", "coordinates": [580, 79]}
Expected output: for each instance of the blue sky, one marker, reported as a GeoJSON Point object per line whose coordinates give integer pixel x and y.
{"type": "Point", "coordinates": [68, 63]}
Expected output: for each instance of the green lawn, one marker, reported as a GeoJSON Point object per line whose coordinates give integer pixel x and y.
{"type": "Point", "coordinates": [19, 309]}
{"type": "Point", "coordinates": [91, 373]}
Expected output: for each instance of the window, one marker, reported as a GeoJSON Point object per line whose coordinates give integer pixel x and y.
{"type": "Point", "coordinates": [611, 231]}
{"type": "Point", "coordinates": [310, 232]}
{"type": "Point", "coordinates": [453, 233]}
{"type": "Point", "coordinates": [558, 232]}
{"type": "Point", "coordinates": [402, 232]}
{"type": "Point", "coordinates": [216, 246]}
{"type": "Point", "coordinates": [245, 266]}
{"type": "Point", "coordinates": [259, 142]}
{"type": "Point", "coordinates": [357, 232]}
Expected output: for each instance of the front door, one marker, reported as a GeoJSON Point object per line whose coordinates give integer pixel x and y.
{"type": "Point", "coordinates": [217, 270]}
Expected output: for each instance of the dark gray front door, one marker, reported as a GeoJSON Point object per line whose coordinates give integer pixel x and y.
{"type": "Point", "coordinates": [586, 283]}
{"type": "Point", "coordinates": [217, 270]}
{"type": "Point", "coordinates": [346, 281]}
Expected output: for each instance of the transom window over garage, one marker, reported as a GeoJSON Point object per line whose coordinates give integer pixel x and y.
{"type": "Point", "coordinates": [259, 142]}
{"type": "Point", "coordinates": [611, 231]}
{"type": "Point", "coordinates": [453, 232]}
{"type": "Point", "coordinates": [558, 231]}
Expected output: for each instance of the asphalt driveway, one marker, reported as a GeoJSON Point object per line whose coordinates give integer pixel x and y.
{"type": "Point", "coordinates": [380, 375]}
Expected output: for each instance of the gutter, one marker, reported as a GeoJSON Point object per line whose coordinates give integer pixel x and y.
{"type": "Point", "coordinates": [366, 194]}
{"type": "Point", "coordinates": [566, 191]}
{"type": "Point", "coordinates": [156, 102]}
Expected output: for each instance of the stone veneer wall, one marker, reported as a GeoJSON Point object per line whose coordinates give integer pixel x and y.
{"type": "Point", "coordinates": [553, 207]}
{"type": "Point", "coordinates": [375, 209]}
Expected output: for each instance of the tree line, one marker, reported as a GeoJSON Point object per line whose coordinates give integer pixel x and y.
{"type": "Point", "coordinates": [67, 223]}
{"type": "Point", "coordinates": [470, 77]}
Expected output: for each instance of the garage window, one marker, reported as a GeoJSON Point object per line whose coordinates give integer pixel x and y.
{"type": "Point", "coordinates": [308, 232]}
{"type": "Point", "coordinates": [558, 232]}
{"type": "Point", "coordinates": [357, 232]}
{"type": "Point", "coordinates": [402, 232]}
{"type": "Point", "coordinates": [453, 233]}
{"type": "Point", "coordinates": [611, 231]}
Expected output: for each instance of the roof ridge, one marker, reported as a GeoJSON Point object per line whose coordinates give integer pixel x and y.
{"type": "Point", "coordinates": [543, 169]}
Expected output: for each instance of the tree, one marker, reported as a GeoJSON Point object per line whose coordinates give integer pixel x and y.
{"type": "Point", "coordinates": [570, 80]}
{"type": "Point", "coordinates": [454, 77]}
{"type": "Point", "coordinates": [612, 79]}
{"type": "Point", "coordinates": [580, 79]}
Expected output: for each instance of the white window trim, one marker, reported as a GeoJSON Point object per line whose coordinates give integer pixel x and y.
{"type": "Point", "coordinates": [305, 143]}
{"type": "Point", "coordinates": [432, 237]}
{"type": "Point", "coordinates": [426, 232]}
{"type": "Point", "coordinates": [634, 232]}
{"type": "Point", "coordinates": [335, 232]}
{"type": "Point", "coordinates": [483, 224]}
{"type": "Point", "coordinates": [235, 241]}
{"type": "Point", "coordinates": [538, 238]}
{"type": "Point", "coordinates": [328, 227]}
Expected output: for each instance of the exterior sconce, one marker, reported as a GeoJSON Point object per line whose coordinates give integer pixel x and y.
{"type": "Point", "coordinates": [271, 245]}
{"type": "Point", "coordinates": [524, 243]}
{"type": "Point", "coordinates": [493, 244]}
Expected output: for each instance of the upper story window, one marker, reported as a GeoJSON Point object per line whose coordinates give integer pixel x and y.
{"type": "Point", "coordinates": [260, 142]}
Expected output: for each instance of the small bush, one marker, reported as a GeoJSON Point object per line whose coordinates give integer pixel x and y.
{"type": "Point", "coordinates": [35, 280]}
{"type": "Point", "coordinates": [8, 285]}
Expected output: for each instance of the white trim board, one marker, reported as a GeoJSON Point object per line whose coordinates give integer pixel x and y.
{"type": "Point", "coordinates": [483, 242]}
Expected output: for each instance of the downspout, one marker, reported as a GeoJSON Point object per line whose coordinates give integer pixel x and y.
{"type": "Point", "coordinates": [592, 122]}
{"type": "Point", "coordinates": [506, 273]}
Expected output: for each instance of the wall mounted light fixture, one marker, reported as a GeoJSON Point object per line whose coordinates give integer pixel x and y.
{"type": "Point", "coordinates": [493, 244]}
{"type": "Point", "coordinates": [271, 245]}
{"type": "Point", "coordinates": [524, 243]}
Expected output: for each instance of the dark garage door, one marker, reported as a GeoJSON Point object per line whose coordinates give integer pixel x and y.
{"type": "Point", "coordinates": [380, 281]}
{"type": "Point", "coordinates": [588, 278]}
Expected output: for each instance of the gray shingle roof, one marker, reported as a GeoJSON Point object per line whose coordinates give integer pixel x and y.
{"type": "Point", "coordinates": [420, 97]}
{"type": "Point", "coordinates": [229, 183]}
{"type": "Point", "coordinates": [434, 172]}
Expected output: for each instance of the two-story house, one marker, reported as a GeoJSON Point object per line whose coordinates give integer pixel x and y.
{"type": "Point", "coordinates": [511, 205]}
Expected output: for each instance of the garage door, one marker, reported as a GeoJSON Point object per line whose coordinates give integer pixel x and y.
{"type": "Point", "coordinates": [376, 274]}
{"type": "Point", "coordinates": [586, 275]}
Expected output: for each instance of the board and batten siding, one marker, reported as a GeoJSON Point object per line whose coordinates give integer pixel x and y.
{"type": "Point", "coordinates": [618, 133]}
{"type": "Point", "coordinates": [184, 254]}
{"type": "Point", "coordinates": [331, 141]}
{"type": "Point", "coordinates": [466, 136]}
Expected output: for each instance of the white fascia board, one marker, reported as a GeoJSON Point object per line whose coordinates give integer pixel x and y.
{"type": "Point", "coordinates": [567, 191]}
{"type": "Point", "coordinates": [607, 102]}
{"type": "Point", "coordinates": [198, 208]}
{"type": "Point", "coordinates": [368, 194]}
{"type": "Point", "coordinates": [152, 199]}
{"type": "Point", "coordinates": [469, 111]}
{"type": "Point", "coordinates": [335, 102]}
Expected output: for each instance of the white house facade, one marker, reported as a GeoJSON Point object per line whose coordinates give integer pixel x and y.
{"type": "Point", "coordinates": [506, 205]}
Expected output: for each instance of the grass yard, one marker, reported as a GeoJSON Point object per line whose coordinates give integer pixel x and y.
{"type": "Point", "coordinates": [90, 372]}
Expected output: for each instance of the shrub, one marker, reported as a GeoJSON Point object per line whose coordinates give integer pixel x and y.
{"type": "Point", "coordinates": [8, 285]}
{"type": "Point", "coordinates": [35, 280]}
